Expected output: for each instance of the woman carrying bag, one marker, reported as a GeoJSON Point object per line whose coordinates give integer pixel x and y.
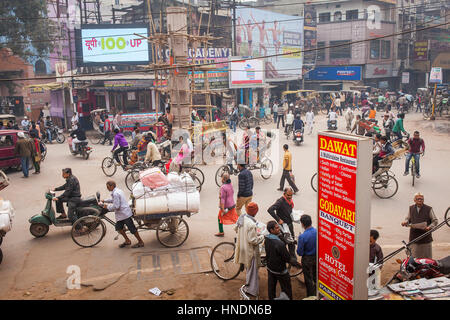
{"type": "Point", "coordinates": [227, 213]}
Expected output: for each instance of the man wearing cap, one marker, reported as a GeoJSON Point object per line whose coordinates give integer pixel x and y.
{"type": "Point", "coordinates": [247, 249]}
{"type": "Point", "coordinates": [24, 149]}
{"type": "Point", "coordinates": [25, 124]}
{"type": "Point", "coordinates": [420, 219]}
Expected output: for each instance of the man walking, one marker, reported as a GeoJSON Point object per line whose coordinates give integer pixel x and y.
{"type": "Point", "coordinates": [306, 248]}
{"type": "Point", "coordinates": [119, 204]}
{"type": "Point", "coordinates": [275, 112]}
{"type": "Point", "coordinates": [420, 219]}
{"type": "Point", "coordinates": [277, 257]}
{"type": "Point", "coordinates": [416, 148]}
{"type": "Point", "coordinates": [245, 188]}
{"type": "Point", "coordinates": [287, 170]}
{"type": "Point", "coordinates": [247, 249]}
{"type": "Point", "coordinates": [281, 111]}
{"type": "Point", "coordinates": [24, 149]}
{"type": "Point", "coordinates": [310, 120]}
{"type": "Point", "coordinates": [281, 211]}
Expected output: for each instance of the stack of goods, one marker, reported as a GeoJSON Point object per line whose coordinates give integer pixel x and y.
{"type": "Point", "coordinates": [6, 215]}
{"type": "Point", "coordinates": [157, 193]}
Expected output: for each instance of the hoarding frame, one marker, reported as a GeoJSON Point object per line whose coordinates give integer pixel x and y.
{"type": "Point", "coordinates": [79, 44]}
{"type": "Point", "coordinates": [250, 85]}
{"type": "Point", "coordinates": [362, 211]}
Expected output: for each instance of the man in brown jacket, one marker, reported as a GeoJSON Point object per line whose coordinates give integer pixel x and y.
{"type": "Point", "coordinates": [25, 150]}
{"type": "Point", "coordinates": [421, 219]}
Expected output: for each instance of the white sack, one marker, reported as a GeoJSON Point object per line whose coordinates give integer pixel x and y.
{"type": "Point", "coordinates": [151, 205]}
{"type": "Point", "coordinates": [184, 201]}
{"type": "Point", "coordinates": [5, 222]}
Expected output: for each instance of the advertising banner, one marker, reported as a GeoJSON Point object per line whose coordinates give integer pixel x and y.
{"type": "Point", "coordinates": [420, 51]}
{"type": "Point", "coordinates": [145, 120]}
{"type": "Point", "coordinates": [246, 73]}
{"type": "Point", "coordinates": [378, 71]}
{"type": "Point", "coordinates": [112, 44]}
{"type": "Point", "coordinates": [341, 223]}
{"type": "Point", "coordinates": [405, 77]}
{"type": "Point", "coordinates": [436, 75]}
{"type": "Point", "coordinates": [263, 33]}
{"type": "Point", "coordinates": [344, 73]}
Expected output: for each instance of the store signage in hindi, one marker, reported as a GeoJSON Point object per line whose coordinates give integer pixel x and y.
{"type": "Point", "coordinates": [337, 252]}
{"type": "Point", "coordinates": [420, 51]}
{"type": "Point", "coordinates": [113, 44]}
{"type": "Point", "coordinates": [405, 77]}
{"type": "Point", "coordinates": [247, 73]}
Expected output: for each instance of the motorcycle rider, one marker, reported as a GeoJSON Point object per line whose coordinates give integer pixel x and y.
{"type": "Point", "coordinates": [332, 116]}
{"type": "Point", "coordinates": [48, 124]}
{"type": "Point", "coordinates": [71, 195]}
{"type": "Point", "coordinates": [79, 135]}
{"type": "Point", "coordinates": [298, 124]}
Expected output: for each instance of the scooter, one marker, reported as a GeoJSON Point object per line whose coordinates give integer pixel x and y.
{"type": "Point", "coordinates": [6, 212]}
{"type": "Point", "coordinates": [298, 137]}
{"type": "Point", "coordinates": [332, 125]}
{"type": "Point", "coordinates": [40, 223]}
{"type": "Point", "coordinates": [82, 148]}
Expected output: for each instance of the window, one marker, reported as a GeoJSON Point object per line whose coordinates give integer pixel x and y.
{"type": "Point", "coordinates": [337, 16]}
{"type": "Point", "coordinates": [40, 67]}
{"type": "Point", "coordinates": [341, 52]}
{"type": "Point", "coordinates": [385, 49]}
{"type": "Point", "coordinates": [375, 49]}
{"type": "Point", "coordinates": [351, 15]}
{"type": "Point", "coordinates": [117, 2]}
{"type": "Point", "coordinates": [320, 53]}
{"type": "Point", "coordinates": [6, 141]}
{"type": "Point", "coordinates": [324, 17]}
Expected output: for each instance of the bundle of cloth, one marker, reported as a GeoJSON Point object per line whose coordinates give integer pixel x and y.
{"type": "Point", "coordinates": [6, 215]}
{"type": "Point", "coordinates": [157, 193]}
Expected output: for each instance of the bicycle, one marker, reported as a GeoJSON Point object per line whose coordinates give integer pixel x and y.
{"type": "Point", "coordinates": [109, 164]}
{"type": "Point", "coordinates": [224, 267]}
{"type": "Point", "coordinates": [265, 167]}
{"type": "Point", "coordinates": [412, 167]}
{"type": "Point", "coordinates": [245, 122]}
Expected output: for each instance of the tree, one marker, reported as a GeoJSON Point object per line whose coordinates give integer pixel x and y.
{"type": "Point", "coordinates": [24, 26]}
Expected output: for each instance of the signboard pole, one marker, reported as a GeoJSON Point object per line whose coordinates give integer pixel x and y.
{"type": "Point", "coordinates": [344, 183]}
{"type": "Point", "coordinates": [434, 101]}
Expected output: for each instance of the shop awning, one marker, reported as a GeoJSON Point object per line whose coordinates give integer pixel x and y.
{"type": "Point", "coordinates": [48, 86]}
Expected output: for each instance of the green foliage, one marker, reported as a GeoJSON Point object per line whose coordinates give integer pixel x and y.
{"type": "Point", "coordinates": [23, 22]}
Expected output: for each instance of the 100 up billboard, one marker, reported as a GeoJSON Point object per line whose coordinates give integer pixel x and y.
{"type": "Point", "coordinates": [112, 44]}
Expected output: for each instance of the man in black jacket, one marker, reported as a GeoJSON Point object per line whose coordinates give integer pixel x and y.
{"type": "Point", "coordinates": [245, 191]}
{"type": "Point", "coordinates": [281, 212]}
{"type": "Point", "coordinates": [277, 257]}
{"type": "Point", "coordinates": [71, 195]}
{"type": "Point", "coordinates": [79, 135]}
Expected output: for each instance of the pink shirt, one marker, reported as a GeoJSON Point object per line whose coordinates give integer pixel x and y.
{"type": "Point", "coordinates": [184, 152]}
{"type": "Point", "coordinates": [227, 195]}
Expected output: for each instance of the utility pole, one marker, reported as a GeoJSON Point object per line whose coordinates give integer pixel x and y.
{"type": "Point", "coordinates": [70, 55]}
{"type": "Point", "coordinates": [235, 91]}
{"type": "Point", "coordinates": [60, 59]}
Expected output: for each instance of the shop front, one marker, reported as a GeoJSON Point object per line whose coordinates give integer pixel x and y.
{"type": "Point", "coordinates": [333, 78]}
{"type": "Point", "coordinates": [380, 76]}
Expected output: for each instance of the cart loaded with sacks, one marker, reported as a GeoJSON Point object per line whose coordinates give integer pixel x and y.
{"type": "Point", "coordinates": [158, 202]}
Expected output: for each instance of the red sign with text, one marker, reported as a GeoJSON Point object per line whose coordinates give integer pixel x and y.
{"type": "Point", "coordinates": [336, 220]}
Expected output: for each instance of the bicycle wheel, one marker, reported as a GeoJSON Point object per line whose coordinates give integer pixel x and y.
{"type": "Point", "coordinates": [244, 123]}
{"type": "Point", "coordinates": [314, 182]}
{"type": "Point", "coordinates": [197, 182]}
{"type": "Point", "coordinates": [324, 110]}
{"type": "Point", "coordinates": [253, 122]}
{"type": "Point", "coordinates": [412, 166]}
{"type": "Point", "coordinates": [219, 173]}
{"type": "Point", "coordinates": [266, 169]}
{"type": "Point", "coordinates": [222, 261]}
{"type": "Point", "coordinates": [447, 217]}
{"type": "Point", "coordinates": [109, 167]}
{"type": "Point", "coordinates": [88, 231]}
{"type": "Point", "coordinates": [96, 138]}
{"type": "Point", "coordinates": [172, 232]}
{"type": "Point", "coordinates": [131, 178]}
{"type": "Point", "coordinates": [194, 171]}
{"type": "Point", "coordinates": [60, 138]}
{"type": "Point", "coordinates": [267, 119]}
{"type": "Point", "coordinates": [385, 186]}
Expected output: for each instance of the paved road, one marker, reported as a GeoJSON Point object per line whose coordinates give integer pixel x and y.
{"type": "Point", "coordinates": [31, 263]}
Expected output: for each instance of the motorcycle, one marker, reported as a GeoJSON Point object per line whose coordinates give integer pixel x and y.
{"type": "Point", "coordinates": [82, 148]}
{"type": "Point", "coordinates": [332, 125]}
{"type": "Point", "coordinates": [6, 212]}
{"type": "Point", "coordinates": [40, 223]}
{"type": "Point", "coordinates": [298, 137]}
{"type": "Point", "coordinates": [57, 134]}
{"type": "Point", "coordinates": [415, 268]}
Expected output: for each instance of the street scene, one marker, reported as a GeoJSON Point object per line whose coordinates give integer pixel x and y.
{"type": "Point", "coordinates": [224, 150]}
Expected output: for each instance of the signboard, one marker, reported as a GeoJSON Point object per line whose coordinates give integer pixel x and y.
{"type": "Point", "coordinates": [436, 75]}
{"type": "Point", "coordinates": [112, 44]}
{"type": "Point", "coordinates": [60, 69]}
{"type": "Point", "coordinates": [247, 73]}
{"type": "Point", "coordinates": [378, 71]}
{"type": "Point", "coordinates": [262, 33]}
{"type": "Point", "coordinates": [420, 51]}
{"type": "Point", "coordinates": [344, 173]}
{"type": "Point", "coordinates": [145, 119]}
{"type": "Point", "coordinates": [344, 73]}
{"type": "Point", "coordinates": [405, 77]}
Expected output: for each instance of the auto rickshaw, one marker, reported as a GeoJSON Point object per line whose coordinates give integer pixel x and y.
{"type": "Point", "coordinates": [5, 118]}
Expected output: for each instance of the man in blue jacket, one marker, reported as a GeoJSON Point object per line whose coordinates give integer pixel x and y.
{"type": "Point", "coordinates": [306, 248]}
{"type": "Point", "coordinates": [245, 191]}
